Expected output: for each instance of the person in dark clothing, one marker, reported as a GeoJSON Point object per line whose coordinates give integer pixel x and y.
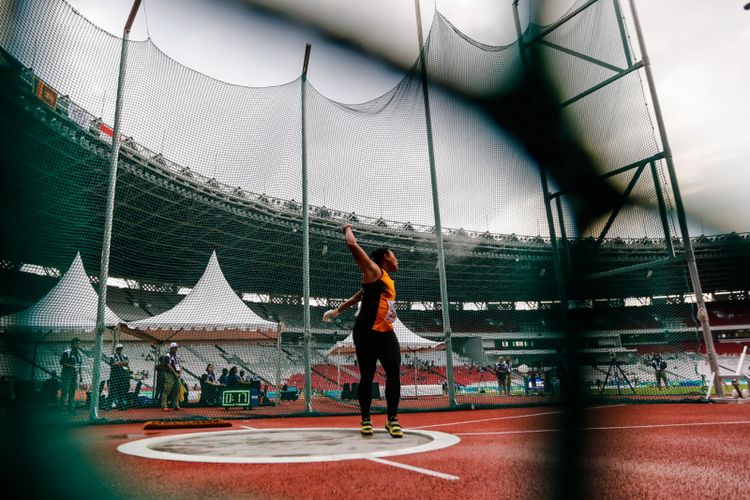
{"type": "Point", "coordinates": [172, 371]}
{"type": "Point", "coordinates": [119, 378]}
{"type": "Point", "coordinates": [660, 371]}
{"type": "Point", "coordinates": [50, 387]}
{"type": "Point", "coordinates": [209, 387]}
{"type": "Point", "coordinates": [72, 363]}
{"type": "Point", "coordinates": [233, 379]}
{"type": "Point", "coordinates": [502, 372]}
{"type": "Point", "coordinates": [374, 337]}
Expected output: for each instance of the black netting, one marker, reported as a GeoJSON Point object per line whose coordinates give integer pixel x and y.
{"type": "Point", "coordinates": [207, 234]}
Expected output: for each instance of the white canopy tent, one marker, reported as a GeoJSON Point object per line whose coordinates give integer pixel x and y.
{"type": "Point", "coordinates": [68, 310]}
{"type": "Point", "coordinates": [211, 311]}
{"type": "Point", "coordinates": [408, 342]}
{"type": "Point", "coordinates": [70, 307]}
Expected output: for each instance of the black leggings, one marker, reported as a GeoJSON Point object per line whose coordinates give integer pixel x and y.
{"type": "Point", "coordinates": [372, 346]}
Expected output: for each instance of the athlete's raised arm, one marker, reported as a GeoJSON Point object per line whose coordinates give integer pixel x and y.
{"type": "Point", "coordinates": [370, 271]}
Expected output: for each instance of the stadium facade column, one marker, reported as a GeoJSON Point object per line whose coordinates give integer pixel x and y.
{"type": "Point", "coordinates": [108, 215]}
{"type": "Point", "coordinates": [436, 210]}
{"type": "Point", "coordinates": [689, 255]}
{"type": "Point", "coordinates": [306, 240]}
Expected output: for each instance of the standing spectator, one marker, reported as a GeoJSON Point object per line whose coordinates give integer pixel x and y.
{"type": "Point", "coordinates": [660, 370]}
{"type": "Point", "coordinates": [119, 378]}
{"type": "Point", "coordinates": [531, 380]}
{"type": "Point", "coordinates": [172, 374]}
{"type": "Point", "coordinates": [244, 378]}
{"type": "Point", "coordinates": [501, 372]}
{"type": "Point", "coordinates": [71, 362]}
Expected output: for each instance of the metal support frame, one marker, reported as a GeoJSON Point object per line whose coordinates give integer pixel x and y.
{"type": "Point", "coordinates": [564, 236]}
{"type": "Point", "coordinates": [559, 275]}
{"type": "Point", "coordinates": [689, 255]}
{"type": "Point", "coordinates": [662, 210]}
{"type": "Point", "coordinates": [108, 217]}
{"type": "Point", "coordinates": [306, 239]}
{"type": "Point", "coordinates": [436, 210]}
{"type": "Point", "coordinates": [620, 205]}
{"type": "Point", "coordinates": [603, 84]}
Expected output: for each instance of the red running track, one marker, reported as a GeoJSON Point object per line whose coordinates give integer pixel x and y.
{"type": "Point", "coordinates": [662, 451]}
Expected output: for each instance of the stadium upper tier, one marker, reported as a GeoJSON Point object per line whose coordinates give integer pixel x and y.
{"type": "Point", "coordinates": [168, 220]}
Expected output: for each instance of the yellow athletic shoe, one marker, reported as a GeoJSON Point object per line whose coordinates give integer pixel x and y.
{"type": "Point", "coordinates": [393, 428]}
{"type": "Point", "coordinates": [365, 427]}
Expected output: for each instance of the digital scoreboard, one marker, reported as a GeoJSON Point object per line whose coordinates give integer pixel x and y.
{"type": "Point", "coordinates": [238, 397]}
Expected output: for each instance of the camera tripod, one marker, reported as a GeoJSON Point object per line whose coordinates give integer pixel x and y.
{"type": "Point", "coordinates": [618, 371]}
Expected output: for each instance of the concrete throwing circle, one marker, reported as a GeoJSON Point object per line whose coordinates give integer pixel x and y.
{"type": "Point", "coordinates": [267, 446]}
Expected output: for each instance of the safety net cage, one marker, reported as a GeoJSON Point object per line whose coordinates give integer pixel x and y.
{"type": "Point", "coordinates": [227, 214]}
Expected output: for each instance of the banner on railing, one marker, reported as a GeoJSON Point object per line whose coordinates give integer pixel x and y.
{"type": "Point", "coordinates": [46, 94]}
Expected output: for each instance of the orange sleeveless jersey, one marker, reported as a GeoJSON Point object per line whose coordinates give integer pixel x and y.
{"type": "Point", "coordinates": [378, 311]}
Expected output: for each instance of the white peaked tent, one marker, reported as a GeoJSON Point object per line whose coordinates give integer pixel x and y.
{"type": "Point", "coordinates": [408, 340]}
{"type": "Point", "coordinates": [211, 311]}
{"type": "Point", "coordinates": [69, 307]}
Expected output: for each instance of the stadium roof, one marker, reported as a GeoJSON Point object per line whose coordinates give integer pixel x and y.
{"type": "Point", "coordinates": [167, 219]}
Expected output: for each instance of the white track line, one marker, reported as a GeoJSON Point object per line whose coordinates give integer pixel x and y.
{"type": "Point", "coordinates": [248, 427]}
{"type": "Point", "coordinates": [415, 469]}
{"type": "Point", "coordinates": [655, 426]}
{"type": "Point", "coordinates": [621, 427]}
{"type": "Point", "coordinates": [603, 407]}
{"type": "Point", "coordinates": [502, 433]}
{"type": "Point", "coordinates": [509, 417]}
{"type": "Point", "coordinates": [487, 419]}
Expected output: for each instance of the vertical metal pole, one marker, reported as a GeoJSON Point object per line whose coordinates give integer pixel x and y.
{"type": "Point", "coordinates": [278, 366]}
{"type": "Point", "coordinates": [556, 264]}
{"type": "Point", "coordinates": [662, 210]}
{"type": "Point", "coordinates": [33, 365]}
{"type": "Point", "coordinates": [623, 34]}
{"type": "Point", "coordinates": [306, 241]}
{"type": "Point", "coordinates": [156, 376]}
{"type": "Point", "coordinates": [436, 210]}
{"type": "Point", "coordinates": [559, 277]}
{"type": "Point", "coordinates": [108, 215]}
{"type": "Point", "coordinates": [689, 255]}
{"type": "Point", "coordinates": [564, 235]}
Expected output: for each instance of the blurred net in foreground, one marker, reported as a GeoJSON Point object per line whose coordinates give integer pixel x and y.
{"type": "Point", "coordinates": [207, 232]}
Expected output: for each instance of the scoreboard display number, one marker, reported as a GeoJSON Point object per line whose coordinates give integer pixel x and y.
{"type": "Point", "coordinates": [240, 397]}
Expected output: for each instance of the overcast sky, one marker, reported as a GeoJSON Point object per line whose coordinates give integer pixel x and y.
{"type": "Point", "coordinates": [698, 49]}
